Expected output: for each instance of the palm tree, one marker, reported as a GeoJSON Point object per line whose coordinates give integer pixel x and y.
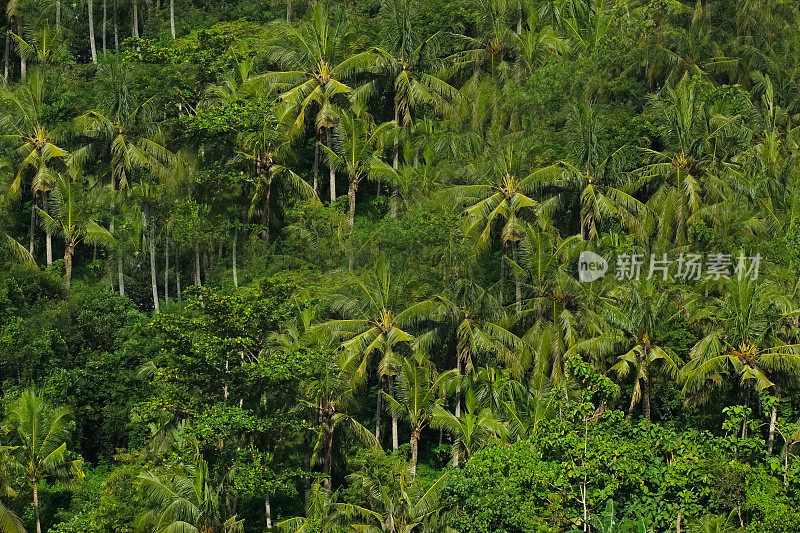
{"type": "Point", "coordinates": [9, 522]}
{"type": "Point", "coordinates": [330, 397]}
{"type": "Point", "coordinates": [641, 321]}
{"type": "Point", "coordinates": [184, 498]}
{"type": "Point", "coordinates": [23, 124]}
{"type": "Point", "coordinates": [268, 149]}
{"type": "Point", "coordinates": [501, 207]}
{"type": "Point", "coordinates": [322, 513]}
{"type": "Point", "coordinates": [39, 434]}
{"type": "Point", "coordinates": [125, 138]}
{"type": "Point", "coordinates": [742, 340]}
{"type": "Point", "coordinates": [472, 429]}
{"type": "Point", "coordinates": [314, 56]}
{"type": "Point", "coordinates": [409, 64]}
{"type": "Point", "coordinates": [71, 214]}
{"type": "Point", "coordinates": [419, 389]}
{"type": "Point", "coordinates": [411, 508]}
{"type": "Point", "coordinates": [372, 321]}
{"type": "Point", "coordinates": [356, 152]}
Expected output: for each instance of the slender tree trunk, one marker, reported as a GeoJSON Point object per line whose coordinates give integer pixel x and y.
{"type": "Point", "coordinates": [31, 231]}
{"type": "Point", "coordinates": [517, 284]}
{"type": "Point", "coordinates": [233, 254]}
{"type": "Point", "coordinates": [773, 417]}
{"type": "Point", "coordinates": [268, 510]}
{"type": "Point", "coordinates": [328, 456]}
{"type": "Point", "coordinates": [58, 14]}
{"type": "Point", "coordinates": [646, 397]}
{"type": "Point", "coordinates": [7, 56]}
{"type": "Point", "coordinates": [394, 200]}
{"type": "Point", "coordinates": [315, 170]}
{"type": "Point", "coordinates": [92, 45]}
{"type": "Point", "coordinates": [69, 251]}
{"type": "Point", "coordinates": [23, 63]}
{"type": "Point", "coordinates": [116, 24]}
{"type": "Point", "coordinates": [458, 407]}
{"type": "Point", "coordinates": [378, 409]}
{"type": "Point", "coordinates": [351, 196]}
{"type": "Point", "coordinates": [288, 11]}
{"type": "Point", "coordinates": [48, 234]}
{"type": "Point", "coordinates": [36, 506]}
{"type": "Point", "coordinates": [178, 271]}
{"type": "Point", "coordinates": [172, 17]}
{"type": "Point", "coordinates": [166, 266]}
{"type": "Point", "coordinates": [390, 390]}
{"type": "Point", "coordinates": [151, 238]}
{"type": "Point", "coordinates": [265, 210]}
{"type": "Point", "coordinates": [678, 522]}
{"type": "Point", "coordinates": [331, 169]}
{"type": "Point", "coordinates": [197, 262]}
{"type": "Point", "coordinates": [120, 265]}
{"type": "Point", "coordinates": [415, 432]}
{"type": "Point", "coordinates": [105, 25]}
{"type": "Point", "coordinates": [503, 261]}
{"type": "Point", "coordinates": [135, 19]}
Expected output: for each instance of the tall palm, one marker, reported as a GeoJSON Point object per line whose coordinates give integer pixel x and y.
{"type": "Point", "coordinates": [370, 321]}
{"type": "Point", "coordinates": [184, 498]}
{"type": "Point", "coordinates": [72, 215]}
{"type": "Point", "coordinates": [502, 207]}
{"type": "Point", "coordinates": [418, 391]}
{"type": "Point", "coordinates": [322, 513]}
{"type": "Point", "coordinates": [268, 149]}
{"type": "Point", "coordinates": [39, 434]}
{"type": "Point", "coordinates": [411, 508]}
{"type": "Point", "coordinates": [314, 56]}
{"type": "Point", "coordinates": [472, 429]}
{"type": "Point", "coordinates": [408, 63]}
{"type": "Point", "coordinates": [356, 151]}
{"type": "Point", "coordinates": [742, 339]}
{"type": "Point", "coordinates": [641, 321]}
{"type": "Point", "coordinates": [24, 125]}
{"type": "Point", "coordinates": [330, 397]}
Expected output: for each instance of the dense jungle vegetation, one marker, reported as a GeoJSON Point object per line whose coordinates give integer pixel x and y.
{"type": "Point", "coordinates": [337, 266]}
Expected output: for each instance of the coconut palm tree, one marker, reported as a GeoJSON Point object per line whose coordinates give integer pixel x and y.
{"type": "Point", "coordinates": [370, 321]}
{"type": "Point", "coordinates": [72, 215]}
{"type": "Point", "coordinates": [641, 321]}
{"type": "Point", "coordinates": [268, 149]}
{"type": "Point", "coordinates": [418, 390]}
{"type": "Point", "coordinates": [473, 429]}
{"type": "Point", "coordinates": [315, 58]}
{"type": "Point", "coordinates": [410, 509]}
{"type": "Point", "coordinates": [330, 397]}
{"type": "Point", "coordinates": [39, 434]}
{"type": "Point", "coordinates": [742, 339]}
{"type": "Point", "coordinates": [23, 125]}
{"type": "Point", "coordinates": [184, 498]}
{"type": "Point", "coordinates": [356, 151]}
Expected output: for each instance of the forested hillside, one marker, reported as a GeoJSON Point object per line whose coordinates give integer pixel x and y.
{"type": "Point", "coordinates": [400, 266]}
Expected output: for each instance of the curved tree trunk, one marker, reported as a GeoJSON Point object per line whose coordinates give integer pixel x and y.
{"type": "Point", "coordinates": [395, 441]}
{"type": "Point", "coordinates": [315, 170]}
{"type": "Point", "coordinates": [23, 63]}
{"type": "Point", "coordinates": [646, 397]}
{"type": "Point", "coordinates": [7, 55]}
